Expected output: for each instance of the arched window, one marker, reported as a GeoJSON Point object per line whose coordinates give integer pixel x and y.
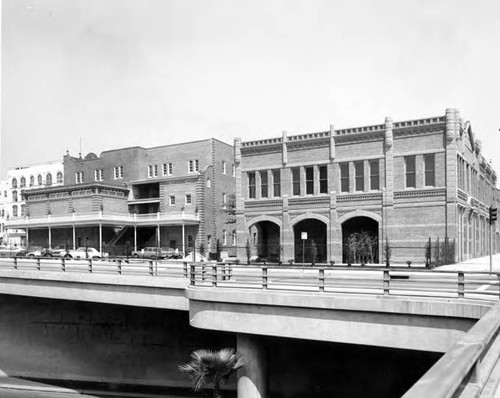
{"type": "Point", "coordinates": [32, 181]}
{"type": "Point", "coordinates": [48, 179]}
{"type": "Point", "coordinates": [14, 183]}
{"type": "Point", "coordinates": [23, 182]}
{"type": "Point", "coordinates": [14, 211]}
{"type": "Point", "coordinates": [39, 179]}
{"type": "Point", "coordinates": [14, 196]}
{"type": "Point", "coordinates": [59, 177]}
{"type": "Point", "coordinates": [209, 182]}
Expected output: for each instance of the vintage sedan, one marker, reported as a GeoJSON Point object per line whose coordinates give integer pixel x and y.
{"type": "Point", "coordinates": [84, 253]}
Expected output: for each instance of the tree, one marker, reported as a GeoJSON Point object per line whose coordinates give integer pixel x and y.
{"type": "Point", "coordinates": [314, 252]}
{"type": "Point", "coordinates": [229, 209]}
{"type": "Point", "coordinates": [208, 367]}
{"type": "Point", "coordinates": [248, 252]}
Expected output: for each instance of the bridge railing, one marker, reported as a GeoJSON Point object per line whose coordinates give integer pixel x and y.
{"type": "Point", "coordinates": [469, 368]}
{"type": "Point", "coordinates": [176, 269]}
{"type": "Point", "coordinates": [446, 284]}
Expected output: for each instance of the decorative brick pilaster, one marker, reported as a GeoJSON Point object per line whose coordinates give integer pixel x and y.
{"type": "Point", "coordinates": [452, 134]}
{"type": "Point", "coordinates": [388, 191]}
{"type": "Point", "coordinates": [241, 230]}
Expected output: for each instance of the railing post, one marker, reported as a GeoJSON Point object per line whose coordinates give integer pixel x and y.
{"type": "Point", "coordinates": [119, 265]}
{"type": "Point", "coordinates": [387, 279]}
{"type": "Point", "coordinates": [15, 262]}
{"type": "Point", "coordinates": [192, 274]}
{"type": "Point", "coordinates": [185, 269]}
{"type": "Point", "coordinates": [63, 264]}
{"type": "Point", "coordinates": [214, 276]}
{"type": "Point", "coordinates": [38, 263]}
{"type": "Point", "coordinates": [461, 285]}
{"type": "Point", "coordinates": [90, 265]}
{"type": "Point", "coordinates": [264, 278]}
{"type": "Point", "coordinates": [321, 279]}
{"type": "Point", "coordinates": [151, 270]}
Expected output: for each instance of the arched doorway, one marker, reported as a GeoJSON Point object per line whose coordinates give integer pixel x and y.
{"type": "Point", "coordinates": [265, 237]}
{"type": "Point", "coordinates": [360, 240]}
{"type": "Point", "coordinates": [315, 233]}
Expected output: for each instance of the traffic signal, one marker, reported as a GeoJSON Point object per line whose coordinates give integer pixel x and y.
{"type": "Point", "coordinates": [493, 214]}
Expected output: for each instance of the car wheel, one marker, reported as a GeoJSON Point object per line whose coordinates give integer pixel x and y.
{"type": "Point", "coordinates": [68, 256]}
{"type": "Point", "coordinates": [96, 258]}
{"type": "Point", "coordinates": [135, 255]}
{"type": "Point", "coordinates": [31, 255]}
{"type": "Point", "coordinates": [47, 255]}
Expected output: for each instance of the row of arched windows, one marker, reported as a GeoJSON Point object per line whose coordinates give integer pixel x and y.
{"type": "Point", "coordinates": [48, 180]}
{"type": "Point", "coordinates": [15, 211]}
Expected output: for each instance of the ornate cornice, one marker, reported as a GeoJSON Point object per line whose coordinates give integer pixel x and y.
{"type": "Point", "coordinates": [420, 193]}
{"type": "Point", "coordinates": [309, 200]}
{"type": "Point", "coordinates": [251, 204]}
{"type": "Point", "coordinates": [359, 197]}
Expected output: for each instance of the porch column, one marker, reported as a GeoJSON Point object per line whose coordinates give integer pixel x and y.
{"type": "Point", "coordinates": [50, 238]}
{"type": "Point", "coordinates": [27, 238]}
{"type": "Point", "coordinates": [135, 237]}
{"type": "Point", "coordinates": [74, 237]}
{"type": "Point", "coordinates": [158, 235]}
{"type": "Point", "coordinates": [100, 238]}
{"type": "Point", "coordinates": [253, 377]}
{"type": "Point", "coordinates": [183, 240]}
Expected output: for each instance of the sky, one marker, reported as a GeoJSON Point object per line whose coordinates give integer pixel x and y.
{"type": "Point", "coordinates": [94, 75]}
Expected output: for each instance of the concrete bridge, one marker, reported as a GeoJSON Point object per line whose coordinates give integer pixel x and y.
{"type": "Point", "coordinates": [437, 312]}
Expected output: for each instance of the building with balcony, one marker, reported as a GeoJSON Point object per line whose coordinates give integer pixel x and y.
{"type": "Point", "coordinates": [130, 198]}
{"type": "Point", "coordinates": [393, 184]}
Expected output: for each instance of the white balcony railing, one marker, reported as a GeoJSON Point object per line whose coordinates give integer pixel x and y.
{"type": "Point", "coordinates": [99, 217]}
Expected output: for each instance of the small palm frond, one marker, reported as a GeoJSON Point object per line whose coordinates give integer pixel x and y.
{"type": "Point", "coordinates": [212, 367]}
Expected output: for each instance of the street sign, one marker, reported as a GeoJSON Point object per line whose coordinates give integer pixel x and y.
{"type": "Point", "coordinates": [303, 235]}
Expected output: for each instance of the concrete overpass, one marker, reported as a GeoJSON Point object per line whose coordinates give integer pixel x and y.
{"type": "Point", "coordinates": [406, 310]}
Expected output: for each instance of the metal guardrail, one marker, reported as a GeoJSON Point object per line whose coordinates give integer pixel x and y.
{"type": "Point", "coordinates": [422, 283]}
{"type": "Point", "coordinates": [172, 269]}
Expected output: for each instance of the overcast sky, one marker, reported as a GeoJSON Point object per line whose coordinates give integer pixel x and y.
{"type": "Point", "coordinates": [118, 73]}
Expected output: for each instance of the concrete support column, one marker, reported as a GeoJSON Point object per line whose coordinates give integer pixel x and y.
{"type": "Point", "coordinates": [74, 237]}
{"type": "Point", "coordinates": [50, 238]}
{"type": "Point", "coordinates": [253, 377]}
{"type": "Point", "coordinates": [335, 241]}
{"type": "Point", "coordinates": [183, 240]}
{"type": "Point", "coordinates": [100, 238]}
{"type": "Point", "coordinates": [27, 238]}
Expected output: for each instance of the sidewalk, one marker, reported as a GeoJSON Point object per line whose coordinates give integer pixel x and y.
{"type": "Point", "coordinates": [474, 264]}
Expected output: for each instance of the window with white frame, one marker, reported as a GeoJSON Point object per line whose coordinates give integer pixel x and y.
{"type": "Point", "coordinates": [193, 166]}
{"type": "Point", "coordinates": [98, 174]}
{"type": "Point", "coordinates": [59, 177]}
{"type": "Point", "coordinates": [79, 177]}
{"type": "Point", "coordinates": [14, 210]}
{"type": "Point", "coordinates": [40, 179]}
{"type": "Point", "coordinates": [224, 237]}
{"type": "Point", "coordinates": [168, 169]}
{"type": "Point", "coordinates": [118, 172]}
{"type": "Point", "coordinates": [153, 170]}
{"type": "Point", "coordinates": [171, 200]}
{"type": "Point", "coordinates": [188, 199]}
{"type": "Point", "coordinates": [32, 181]}
{"type": "Point", "coordinates": [209, 183]}
{"type": "Point", "coordinates": [233, 238]}
{"type": "Point", "coordinates": [224, 200]}
{"type": "Point", "coordinates": [223, 167]}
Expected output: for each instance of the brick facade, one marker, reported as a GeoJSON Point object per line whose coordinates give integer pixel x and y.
{"type": "Point", "coordinates": [401, 181]}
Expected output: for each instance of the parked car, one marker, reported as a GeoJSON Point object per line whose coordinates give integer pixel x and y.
{"type": "Point", "coordinates": [9, 251]}
{"type": "Point", "coordinates": [150, 252]}
{"type": "Point", "coordinates": [58, 251]}
{"type": "Point", "coordinates": [85, 252]}
{"type": "Point", "coordinates": [168, 252]}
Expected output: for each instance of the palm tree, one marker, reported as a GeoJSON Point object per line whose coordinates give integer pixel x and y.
{"type": "Point", "coordinates": [212, 367]}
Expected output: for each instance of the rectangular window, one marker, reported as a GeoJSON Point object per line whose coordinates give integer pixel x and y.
{"type": "Point", "coordinates": [263, 184]}
{"type": "Point", "coordinates": [118, 172]}
{"type": "Point", "coordinates": [193, 166]}
{"type": "Point", "coordinates": [79, 177]}
{"type": "Point", "coordinates": [98, 174]}
{"type": "Point", "coordinates": [374, 175]}
{"type": "Point", "coordinates": [224, 200]}
{"type": "Point", "coordinates": [296, 181]}
{"type": "Point", "coordinates": [323, 179]}
{"type": "Point", "coordinates": [359, 173]}
{"type": "Point", "coordinates": [223, 167]}
{"type": "Point", "coordinates": [277, 183]}
{"type": "Point", "coordinates": [344, 177]}
{"type": "Point", "coordinates": [430, 169]}
{"type": "Point", "coordinates": [224, 237]}
{"type": "Point", "coordinates": [309, 180]}
{"type": "Point", "coordinates": [150, 171]}
{"type": "Point", "coordinates": [251, 185]}
{"type": "Point", "coordinates": [410, 172]}
{"type": "Point", "coordinates": [171, 200]}
{"type": "Point", "coordinates": [188, 199]}
{"type": "Point", "coordinates": [233, 238]}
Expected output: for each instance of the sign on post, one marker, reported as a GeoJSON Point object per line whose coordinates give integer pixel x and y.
{"type": "Point", "coordinates": [303, 235]}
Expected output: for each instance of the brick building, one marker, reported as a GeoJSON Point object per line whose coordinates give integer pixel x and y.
{"type": "Point", "coordinates": [129, 198]}
{"type": "Point", "coordinates": [402, 183]}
